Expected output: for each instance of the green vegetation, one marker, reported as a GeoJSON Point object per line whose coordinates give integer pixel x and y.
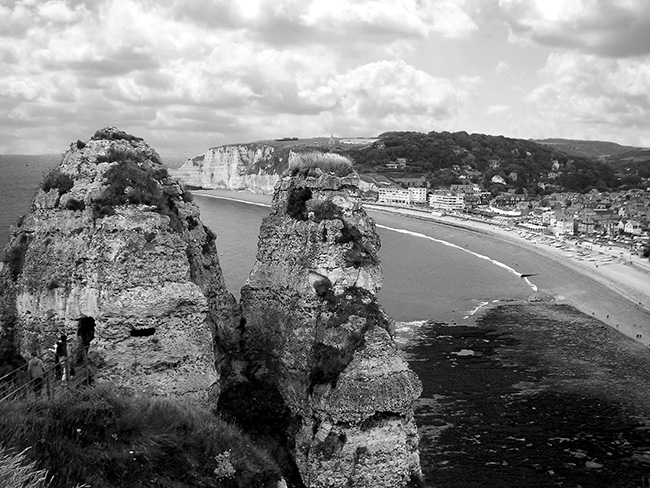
{"type": "Point", "coordinates": [113, 134]}
{"type": "Point", "coordinates": [17, 472]}
{"type": "Point", "coordinates": [57, 179]}
{"type": "Point", "coordinates": [99, 437]}
{"type": "Point", "coordinates": [14, 257]}
{"type": "Point", "coordinates": [297, 203]}
{"type": "Point", "coordinates": [329, 361]}
{"type": "Point", "coordinates": [309, 164]}
{"type": "Point", "coordinates": [131, 181]}
{"type": "Point", "coordinates": [442, 157]}
{"type": "Point", "coordinates": [74, 204]}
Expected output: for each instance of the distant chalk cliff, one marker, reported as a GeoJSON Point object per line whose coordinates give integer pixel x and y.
{"type": "Point", "coordinates": [254, 167]}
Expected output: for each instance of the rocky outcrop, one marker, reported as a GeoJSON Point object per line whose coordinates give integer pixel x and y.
{"type": "Point", "coordinates": [254, 167]}
{"type": "Point", "coordinates": [112, 237]}
{"type": "Point", "coordinates": [313, 333]}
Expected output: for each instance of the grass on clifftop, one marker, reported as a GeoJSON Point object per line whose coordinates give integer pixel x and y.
{"type": "Point", "coordinates": [307, 164]}
{"type": "Point", "coordinates": [99, 437]}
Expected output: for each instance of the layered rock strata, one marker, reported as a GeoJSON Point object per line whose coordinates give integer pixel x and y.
{"type": "Point", "coordinates": [253, 167]}
{"type": "Point", "coordinates": [112, 237]}
{"type": "Point", "coordinates": [313, 331]}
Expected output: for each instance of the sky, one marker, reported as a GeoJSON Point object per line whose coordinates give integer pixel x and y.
{"type": "Point", "coordinates": [188, 75]}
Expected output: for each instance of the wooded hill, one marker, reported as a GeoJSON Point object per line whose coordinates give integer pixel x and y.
{"type": "Point", "coordinates": [445, 158]}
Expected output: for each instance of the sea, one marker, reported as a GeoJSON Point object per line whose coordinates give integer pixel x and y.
{"type": "Point", "coordinates": [439, 282]}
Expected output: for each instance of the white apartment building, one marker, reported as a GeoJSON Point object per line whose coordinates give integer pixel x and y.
{"type": "Point", "coordinates": [418, 195]}
{"type": "Point", "coordinates": [401, 196]}
{"type": "Point", "coordinates": [394, 196]}
{"type": "Point", "coordinates": [445, 200]}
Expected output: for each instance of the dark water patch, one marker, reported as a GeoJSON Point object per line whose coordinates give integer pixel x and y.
{"type": "Point", "coordinates": [533, 396]}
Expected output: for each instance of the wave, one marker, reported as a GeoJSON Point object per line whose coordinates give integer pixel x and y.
{"type": "Point", "coordinates": [456, 246]}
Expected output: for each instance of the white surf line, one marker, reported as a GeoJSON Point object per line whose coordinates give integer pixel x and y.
{"type": "Point", "coordinates": [473, 312]}
{"type": "Point", "coordinates": [231, 199]}
{"type": "Point", "coordinates": [455, 246]}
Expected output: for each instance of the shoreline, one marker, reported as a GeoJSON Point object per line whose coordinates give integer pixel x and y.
{"type": "Point", "coordinates": [629, 282]}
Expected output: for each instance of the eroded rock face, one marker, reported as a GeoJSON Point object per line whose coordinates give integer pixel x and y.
{"type": "Point", "coordinates": [242, 167]}
{"type": "Point", "coordinates": [312, 329]}
{"type": "Point", "coordinates": [113, 237]}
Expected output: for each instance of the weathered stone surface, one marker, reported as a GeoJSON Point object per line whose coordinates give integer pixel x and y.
{"type": "Point", "coordinates": [312, 328]}
{"type": "Point", "coordinates": [232, 167]}
{"type": "Point", "coordinates": [149, 276]}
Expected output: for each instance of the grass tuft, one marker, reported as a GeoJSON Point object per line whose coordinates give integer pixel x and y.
{"type": "Point", "coordinates": [18, 472]}
{"type": "Point", "coordinates": [315, 163]}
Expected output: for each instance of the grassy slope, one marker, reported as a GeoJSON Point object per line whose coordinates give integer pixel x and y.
{"type": "Point", "coordinates": [99, 437]}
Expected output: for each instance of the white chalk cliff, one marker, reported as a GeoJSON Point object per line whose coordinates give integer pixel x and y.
{"type": "Point", "coordinates": [254, 167]}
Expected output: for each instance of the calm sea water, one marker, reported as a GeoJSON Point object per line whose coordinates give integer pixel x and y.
{"type": "Point", "coordinates": [19, 178]}
{"type": "Point", "coordinates": [424, 276]}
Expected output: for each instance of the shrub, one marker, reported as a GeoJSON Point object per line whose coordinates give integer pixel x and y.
{"type": "Point", "coordinates": [99, 437]}
{"type": "Point", "coordinates": [14, 257]}
{"type": "Point", "coordinates": [113, 134]}
{"type": "Point", "coordinates": [57, 179]}
{"type": "Point", "coordinates": [80, 144]}
{"type": "Point", "coordinates": [297, 203]}
{"type": "Point", "coordinates": [307, 164]}
{"type": "Point", "coordinates": [130, 183]}
{"type": "Point", "coordinates": [74, 204]}
{"type": "Point", "coordinates": [325, 210]}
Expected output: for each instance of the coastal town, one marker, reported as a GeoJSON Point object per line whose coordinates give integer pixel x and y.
{"type": "Point", "coordinates": [618, 220]}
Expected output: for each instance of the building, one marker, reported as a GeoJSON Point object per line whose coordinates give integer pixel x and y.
{"type": "Point", "coordinates": [632, 227]}
{"type": "Point", "coordinates": [564, 226]}
{"type": "Point", "coordinates": [402, 196]}
{"type": "Point", "coordinates": [446, 200]}
{"type": "Point", "coordinates": [418, 195]}
{"type": "Point", "coordinates": [394, 196]}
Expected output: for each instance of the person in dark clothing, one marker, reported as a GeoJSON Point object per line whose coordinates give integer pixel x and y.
{"type": "Point", "coordinates": [86, 334]}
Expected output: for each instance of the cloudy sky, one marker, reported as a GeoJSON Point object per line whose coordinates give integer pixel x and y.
{"type": "Point", "coordinates": [191, 74]}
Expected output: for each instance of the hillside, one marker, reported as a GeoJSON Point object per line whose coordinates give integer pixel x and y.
{"type": "Point", "coordinates": [497, 163]}
{"type": "Point", "coordinates": [587, 149]}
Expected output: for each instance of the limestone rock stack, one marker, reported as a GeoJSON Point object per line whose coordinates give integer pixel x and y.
{"type": "Point", "coordinates": [112, 237]}
{"type": "Point", "coordinates": [313, 332]}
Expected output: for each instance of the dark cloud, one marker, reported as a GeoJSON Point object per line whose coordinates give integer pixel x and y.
{"type": "Point", "coordinates": [603, 27]}
{"type": "Point", "coordinates": [119, 62]}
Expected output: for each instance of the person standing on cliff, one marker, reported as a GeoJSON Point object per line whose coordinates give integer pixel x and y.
{"type": "Point", "coordinates": [35, 372]}
{"type": "Point", "coordinates": [61, 356]}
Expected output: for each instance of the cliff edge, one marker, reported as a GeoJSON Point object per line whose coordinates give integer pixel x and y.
{"type": "Point", "coordinates": [315, 341]}
{"type": "Point", "coordinates": [113, 254]}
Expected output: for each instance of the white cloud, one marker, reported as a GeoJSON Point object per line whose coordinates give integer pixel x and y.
{"type": "Point", "coordinates": [601, 95]}
{"type": "Point", "coordinates": [221, 70]}
{"type": "Point", "coordinates": [502, 67]}
{"type": "Point", "coordinates": [604, 27]}
{"type": "Point", "coordinates": [401, 17]}
{"type": "Point", "coordinates": [496, 110]}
